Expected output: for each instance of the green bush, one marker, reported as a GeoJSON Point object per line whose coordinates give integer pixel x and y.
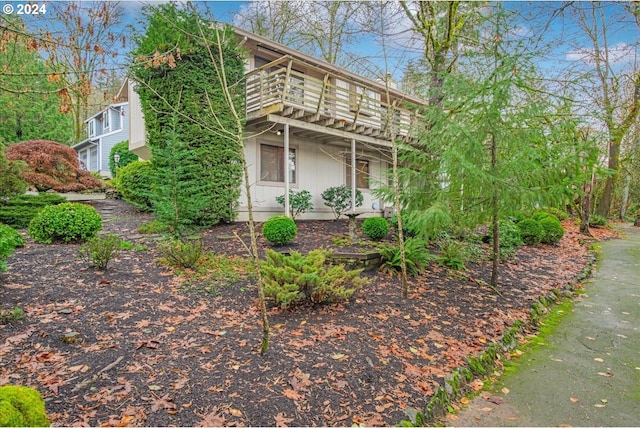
{"type": "Point", "coordinates": [183, 254]}
{"type": "Point", "coordinates": [416, 256]}
{"type": "Point", "coordinates": [552, 230]}
{"type": "Point", "coordinates": [376, 228]}
{"type": "Point", "coordinates": [517, 217]}
{"type": "Point", "coordinates": [452, 253]}
{"type": "Point", "coordinates": [19, 211]}
{"type": "Point", "coordinates": [539, 215]}
{"type": "Point", "coordinates": [297, 279]}
{"type": "Point", "coordinates": [510, 238]}
{"type": "Point", "coordinates": [68, 222]}
{"type": "Point", "coordinates": [100, 250]}
{"type": "Point", "coordinates": [531, 231]}
{"type": "Point", "coordinates": [11, 175]}
{"type": "Point", "coordinates": [338, 198]}
{"type": "Point", "coordinates": [557, 213]}
{"type": "Point", "coordinates": [21, 406]}
{"type": "Point", "coordinates": [279, 230]}
{"type": "Point", "coordinates": [153, 227]}
{"type": "Point", "coordinates": [596, 220]}
{"type": "Point", "coordinates": [299, 202]}
{"type": "Point", "coordinates": [135, 182]}
{"type": "Point", "coordinates": [126, 157]}
{"type": "Point", "coordinates": [9, 241]}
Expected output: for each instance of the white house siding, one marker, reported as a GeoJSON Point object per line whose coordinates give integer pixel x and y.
{"type": "Point", "coordinates": [319, 166]}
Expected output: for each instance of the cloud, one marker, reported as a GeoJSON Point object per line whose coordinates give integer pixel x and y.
{"type": "Point", "coordinates": [619, 53]}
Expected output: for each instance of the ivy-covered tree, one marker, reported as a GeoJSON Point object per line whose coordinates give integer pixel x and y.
{"type": "Point", "coordinates": [174, 73]}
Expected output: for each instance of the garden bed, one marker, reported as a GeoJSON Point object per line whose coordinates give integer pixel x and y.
{"type": "Point", "coordinates": [155, 348]}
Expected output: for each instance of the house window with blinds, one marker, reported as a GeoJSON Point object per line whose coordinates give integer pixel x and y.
{"type": "Point", "coordinates": [272, 164]}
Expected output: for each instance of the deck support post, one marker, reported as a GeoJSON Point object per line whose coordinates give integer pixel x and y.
{"type": "Point", "coordinates": [287, 170]}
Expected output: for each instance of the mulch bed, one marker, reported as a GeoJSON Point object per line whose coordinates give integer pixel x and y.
{"type": "Point", "coordinates": [152, 351]}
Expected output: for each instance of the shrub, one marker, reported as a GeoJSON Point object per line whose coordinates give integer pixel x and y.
{"type": "Point", "coordinates": [531, 231]}
{"type": "Point", "coordinates": [21, 406]}
{"type": "Point", "coordinates": [596, 220]}
{"type": "Point", "coordinates": [134, 182]}
{"type": "Point", "coordinates": [52, 166]}
{"type": "Point", "coordinates": [19, 211]}
{"type": "Point", "coordinates": [539, 215]}
{"type": "Point", "coordinates": [452, 253]}
{"type": "Point", "coordinates": [299, 202]}
{"type": "Point", "coordinates": [557, 213]}
{"type": "Point", "coordinates": [510, 238]}
{"type": "Point", "coordinates": [376, 228]}
{"type": "Point", "coordinates": [100, 250]}
{"type": "Point", "coordinates": [126, 157]}
{"type": "Point", "coordinates": [68, 222]}
{"type": "Point", "coordinates": [339, 199]}
{"type": "Point", "coordinates": [153, 227]}
{"type": "Point", "coordinates": [12, 315]}
{"type": "Point", "coordinates": [9, 241]}
{"type": "Point", "coordinates": [183, 254]}
{"type": "Point", "coordinates": [517, 217]}
{"type": "Point", "coordinates": [552, 230]}
{"type": "Point", "coordinates": [11, 182]}
{"type": "Point", "coordinates": [279, 230]}
{"type": "Point", "coordinates": [297, 279]}
{"type": "Point", "coordinates": [416, 256]}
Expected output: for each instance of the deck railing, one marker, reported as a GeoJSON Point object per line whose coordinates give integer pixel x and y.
{"type": "Point", "coordinates": [332, 101]}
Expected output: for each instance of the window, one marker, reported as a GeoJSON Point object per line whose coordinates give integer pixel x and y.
{"type": "Point", "coordinates": [105, 120]}
{"type": "Point", "coordinates": [362, 173]}
{"type": "Point", "coordinates": [272, 166]}
{"type": "Point", "coordinates": [82, 157]}
{"type": "Point", "coordinates": [92, 128]}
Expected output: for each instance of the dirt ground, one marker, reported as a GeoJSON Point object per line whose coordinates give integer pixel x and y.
{"type": "Point", "coordinates": [151, 347]}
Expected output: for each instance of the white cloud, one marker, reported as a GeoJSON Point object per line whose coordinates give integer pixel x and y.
{"type": "Point", "coordinates": [619, 53]}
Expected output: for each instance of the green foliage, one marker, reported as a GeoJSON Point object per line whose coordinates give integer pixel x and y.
{"type": "Point", "coordinates": [183, 254]}
{"type": "Point", "coordinates": [153, 227]}
{"type": "Point", "coordinates": [510, 238]}
{"type": "Point", "coordinates": [126, 157]}
{"type": "Point", "coordinates": [558, 213]}
{"type": "Point", "coordinates": [196, 155]}
{"type": "Point", "coordinates": [279, 230]}
{"type": "Point", "coordinates": [596, 220]}
{"type": "Point", "coordinates": [134, 182]}
{"type": "Point", "coordinates": [376, 228]}
{"type": "Point", "coordinates": [552, 230]}
{"type": "Point", "coordinates": [52, 166]}
{"type": "Point", "coordinates": [30, 108]}
{"type": "Point", "coordinates": [20, 210]}
{"type": "Point", "coordinates": [213, 271]}
{"type": "Point", "coordinates": [297, 279]}
{"type": "Point", "coordinates": [338, 198]}
{"type": "Point", "coordinates": [539, 215]}
{"type": "Point", "coordinates": [11, 182]}
{"type": "Point", "coordinates": [100, 250]}
{"type": "Point", "coordinates": [452, 253]}
{"type": "Point", "coordinates": [429, 223]}
{"type": "Point", "coordinates": [416, 255]}
{"type": "Point", "coordinates": [531, 231]}
{"type": "Point", "coordinates": [11, 315]}
{"type": "Point", "coordinates": [517, 217]}
{"type": "Point", "coordinates": [21, 406]}
{"type": "Point", "coordinates": [9, 241]}
{"type": "Point", "coordinates": [299, 202]}
{"type": "Point", "coordinates": [67, 222]}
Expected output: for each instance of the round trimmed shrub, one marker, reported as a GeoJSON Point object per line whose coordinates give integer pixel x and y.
{"type": "Point", "coordinates": [530, 231]}
{"type": "Point", "coordinates": [279, 230]}
{"type": "Point", "coordinates": [134, 182]}
{"type": "Point", "coordinates": [376, 228]}
{"type": "Point", "coordinates": [21, 406]}
{"type": "Point", "coordinates": [552, 230]}
{"type": "Point", "coordinates": [68, 222]}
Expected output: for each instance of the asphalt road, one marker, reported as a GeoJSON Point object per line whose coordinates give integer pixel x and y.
{"type": "Point", "coordinates": [587, 373]}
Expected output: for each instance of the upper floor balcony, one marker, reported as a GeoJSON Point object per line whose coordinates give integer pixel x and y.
{"type": "Point", "coordinates": [329, 100]}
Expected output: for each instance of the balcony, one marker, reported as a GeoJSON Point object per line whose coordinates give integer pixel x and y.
{"type": "Point", "coordinates": [330, 103]}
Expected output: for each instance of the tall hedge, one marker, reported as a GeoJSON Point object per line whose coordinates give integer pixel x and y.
{"type": "Point", "coordinates": [126, 157]}
{"type": "Point", "coordinates": [197, 165]}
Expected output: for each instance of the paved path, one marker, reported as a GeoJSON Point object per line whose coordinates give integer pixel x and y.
{"type": "Point", "coordinates": [588, 371]}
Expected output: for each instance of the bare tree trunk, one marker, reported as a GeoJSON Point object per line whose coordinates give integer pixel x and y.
{"type": "Point", "coordinates": [496, 216]}
{"type": "Point", "coordinates": [585, 209]}
{"type": "Point", "coordinates": [610, 183]}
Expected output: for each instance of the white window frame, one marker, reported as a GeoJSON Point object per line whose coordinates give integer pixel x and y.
{"type": "Point", "coordinates": [294, 149]}
{"type": "Point", "coordinates": [92, 128]}
{"type": "Point", "coordinates": [106, 120]}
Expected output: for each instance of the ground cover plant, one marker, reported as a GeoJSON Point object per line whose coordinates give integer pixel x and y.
{"type": "Point", "coordinates": [136, 344]}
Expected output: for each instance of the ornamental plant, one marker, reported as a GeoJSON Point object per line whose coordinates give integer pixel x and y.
{"type": "Point", "coordinates": [416, 255]}
{"type": "Point", "coordinates": [552, 230]}
{"type": "Point", "coordinates": [67, 222]}
{"type": "Point", "coordinates": [299, 202]}
{"type": "Point", "coordinates": [296, 279]}
{"type": "Point", "coordinates": [20, 210]}
{"type": "Point", "coordinates": [126, 157]}
{"type": "Point", "coordinates": [100, 250]}
{"type": "Point", "coordinates": [338, 198]}
{"type": "Point", "coordinates": [135, 182]}
{"type": "Point", "coordinates": [21, 406]}
{"type": "Point", "coordinates": [9, 241]}
{"type": "Point", "coordinates": [183, 254]}
{"type": "Point", "coordinates": [376, 228]}
{"type": "Point", "coordinates": [531, 231]}
{"type": "Point", "coordinates": [279, 230]}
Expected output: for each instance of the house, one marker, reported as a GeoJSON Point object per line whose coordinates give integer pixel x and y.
{"type": "Point", "coordinates": [105, 129]}
{"type": "Point", "coordinates": [308, 122]}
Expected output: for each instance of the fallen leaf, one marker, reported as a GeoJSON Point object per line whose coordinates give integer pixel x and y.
{"type": "Point", "coordinates": [235, 412]}
{"type": "Point", "coordinates": [607, 374]}
{"type": "Point", "coordinates": [505, 390]}
{"type": "Point", "coordinates": [486, 409]}
{"type": "Point", "coordinates": [338, 356]}
{"type": "Point", "coordinates": [290, 393]}
{"type": "Point", "coordinates": [600, 360]}
{"type": "Point", "coordinates": [282, 420]}
{"type": "Point", "coordinates": [465, 400]}
{"type": "Point", "coordinates": [574, 399]}
{"type": "Point", "coordinates": [155, 387]}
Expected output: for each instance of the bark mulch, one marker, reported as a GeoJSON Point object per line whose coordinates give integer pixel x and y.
{"type": "Point", "coordinates": [139, 344]}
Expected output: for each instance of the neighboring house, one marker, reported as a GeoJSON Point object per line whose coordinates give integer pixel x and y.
{"type": "Point", "coordinates": [308, 122]}
{"type": "Point", "coordinates": [105, 129]}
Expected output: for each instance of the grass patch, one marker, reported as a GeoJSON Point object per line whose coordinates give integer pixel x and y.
{"type": "Point", "coordinates": [213, 271]}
